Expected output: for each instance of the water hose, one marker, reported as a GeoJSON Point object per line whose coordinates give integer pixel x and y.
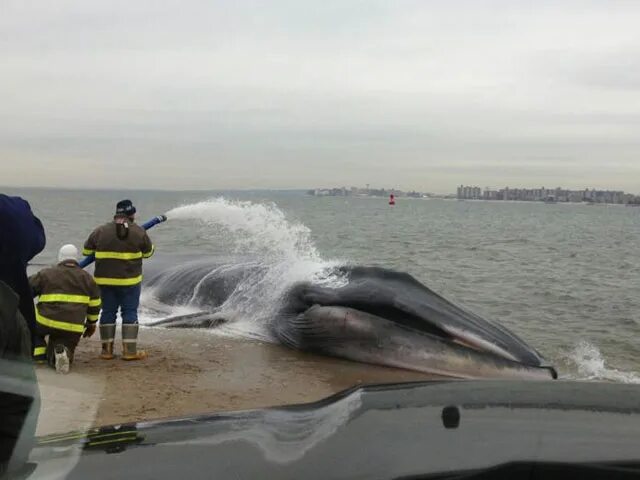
{"type": "Point", "coordinates": [88, 260]}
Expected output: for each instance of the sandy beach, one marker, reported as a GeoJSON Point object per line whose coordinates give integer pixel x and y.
{"type": "Point", "coordinates": [190, 372]}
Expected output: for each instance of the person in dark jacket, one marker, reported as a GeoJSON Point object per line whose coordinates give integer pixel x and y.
{"type": "Point", "coordinates": [19, 396]}
{"type": "Point", "coordinates": [119, 247]}
{"type": "Point", "coordinates": [22, 237]}
{"type": "Point", "coordinates": [68, 308]}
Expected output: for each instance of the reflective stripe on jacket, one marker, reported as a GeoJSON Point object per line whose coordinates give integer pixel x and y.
{"type": "Point", "coordinates": [67, 297]}
{"type": "Point", "coordinates": [118, 258]}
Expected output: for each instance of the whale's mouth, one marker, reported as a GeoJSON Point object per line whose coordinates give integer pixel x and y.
{"type": "Point", "coordinates": [398, 300]}
{"type": "Point", "coordinates": [420, 323]}
{"type": "Point", "coordinates": [357, 335]}
{"type": "Point", "coordinates": [480, 345]}
{"type": "Point", "coordinates": [473, 342]}
{"type": "Point", "coordinates": [446, 333]}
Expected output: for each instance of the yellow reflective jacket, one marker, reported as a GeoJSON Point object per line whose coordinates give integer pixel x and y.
{"type": "Point", "coordinates": [119, 247]}
{"type": "Point", "coordinates": [67, 297]}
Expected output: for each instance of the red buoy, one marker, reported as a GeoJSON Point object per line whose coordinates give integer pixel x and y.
{"type": "Point", "coordinates": [392, 199]}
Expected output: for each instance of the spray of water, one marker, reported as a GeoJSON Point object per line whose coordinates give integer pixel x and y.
{"type": "Point", "coordinates": [590, 364]}
{"type": "Point", "coordinates": [282, 253]}
{"type": "Point", "coordinates": [252, 227]}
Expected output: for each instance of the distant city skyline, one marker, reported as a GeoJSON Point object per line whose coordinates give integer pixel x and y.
{"type": "Point", "coordinates": [351, 188]}
{"type": "Point", "coordinates": [477, 188]}
{"type": "Point", "coordinates": [557, 194]}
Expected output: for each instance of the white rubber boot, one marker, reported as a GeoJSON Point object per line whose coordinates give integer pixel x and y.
{"type": "Point", "coordinates": [62, 359]}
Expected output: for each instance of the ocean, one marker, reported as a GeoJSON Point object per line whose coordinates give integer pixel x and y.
{"type": "Point", "coordinates": [564, 277]}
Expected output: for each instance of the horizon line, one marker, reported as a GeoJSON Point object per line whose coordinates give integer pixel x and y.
{"type": "Point", "coordinates": [275, 189]}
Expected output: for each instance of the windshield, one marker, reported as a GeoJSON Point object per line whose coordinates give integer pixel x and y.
{"type": "Point", "coordinates": [282, 201]}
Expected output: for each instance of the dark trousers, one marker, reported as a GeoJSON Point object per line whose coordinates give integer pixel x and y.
{"type": "Point", "coordinates": [48, 338]}
{"type": "Point", "coordinates": [68, 339]}
{"type": "Point", "coordinates": [127, 299]}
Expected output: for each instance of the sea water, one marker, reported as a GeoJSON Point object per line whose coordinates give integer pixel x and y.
{"type": "Point", "coordinates": [564, 277]}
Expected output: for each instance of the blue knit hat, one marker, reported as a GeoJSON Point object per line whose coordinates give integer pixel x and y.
{"type": "Point", "coordinates": [125, 207]}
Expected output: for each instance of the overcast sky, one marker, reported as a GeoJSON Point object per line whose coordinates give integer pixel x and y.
{"type": "Point", "coordinates": [406, 94]}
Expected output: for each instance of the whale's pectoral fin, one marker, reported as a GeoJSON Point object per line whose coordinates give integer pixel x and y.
{"type": "Point", "coordinates": [191, 320]}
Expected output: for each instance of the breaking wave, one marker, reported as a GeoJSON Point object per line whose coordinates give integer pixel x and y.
{"type": "Point", "coordinates": [589, 364]}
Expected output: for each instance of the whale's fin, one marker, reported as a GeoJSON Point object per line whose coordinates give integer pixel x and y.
{"type": "Point", "coordinates": [191, 320]}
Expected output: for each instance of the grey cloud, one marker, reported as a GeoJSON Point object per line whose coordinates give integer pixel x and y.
{"type": "Point", "coordinates": [292, 94]}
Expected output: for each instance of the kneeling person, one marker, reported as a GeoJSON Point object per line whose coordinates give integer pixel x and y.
{"type": "Point", "coordinates": [68, 308]}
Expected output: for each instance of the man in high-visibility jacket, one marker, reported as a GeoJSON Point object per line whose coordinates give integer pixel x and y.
{"type": "Point", "coordinates": [119, 247]}
{"type": "Point", "coordinates": [68, 308]}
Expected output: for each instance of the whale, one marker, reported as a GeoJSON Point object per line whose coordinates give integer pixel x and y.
{"type": "Point", "coordinates": [374, 315]}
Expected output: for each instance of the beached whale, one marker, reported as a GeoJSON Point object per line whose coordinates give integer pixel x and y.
{"type": "Point", "coordinates": [376, 316]}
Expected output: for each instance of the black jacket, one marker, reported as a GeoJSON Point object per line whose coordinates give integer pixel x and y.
{"type": "Point", "coordinates": [22, 237]}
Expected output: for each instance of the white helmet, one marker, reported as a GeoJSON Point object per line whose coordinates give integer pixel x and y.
{"type": "Point", "coordinates": [68, 252]}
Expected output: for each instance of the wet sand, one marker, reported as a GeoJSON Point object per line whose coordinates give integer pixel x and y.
{"type": "Point", "coordinates": [190, 372]}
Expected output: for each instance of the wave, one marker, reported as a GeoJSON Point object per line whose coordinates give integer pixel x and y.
{"type": "Point", "coordinates": [589, 364]}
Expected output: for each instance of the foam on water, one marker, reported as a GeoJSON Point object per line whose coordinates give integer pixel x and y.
{"type": "Point", "coordinates": [282, 251]}
{"type": "Point", "coordinates": [590, 364]}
